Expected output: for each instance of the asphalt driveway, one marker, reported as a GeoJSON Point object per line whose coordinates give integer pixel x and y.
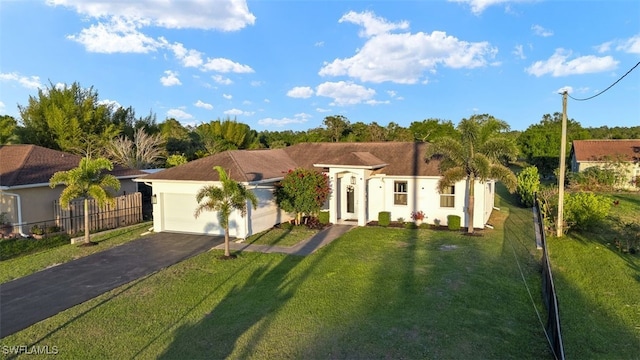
{"type": "Point", "coordinates": [27, 300]}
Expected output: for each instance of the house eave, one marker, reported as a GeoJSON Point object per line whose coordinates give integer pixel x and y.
{"type": "Point", "coordinates": [339, 166]}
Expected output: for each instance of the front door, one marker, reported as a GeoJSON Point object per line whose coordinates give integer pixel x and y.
{"type": "Point", "coordinates": [351, 200]}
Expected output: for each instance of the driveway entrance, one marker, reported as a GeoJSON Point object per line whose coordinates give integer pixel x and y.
{"type": "Point", "coordinates": [33, 298]}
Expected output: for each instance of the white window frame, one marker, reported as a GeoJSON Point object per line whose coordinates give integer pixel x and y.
{"type": "Point", "coordinates": [398, 194]}
{"type": "Point", "coordinates": [448, 197]}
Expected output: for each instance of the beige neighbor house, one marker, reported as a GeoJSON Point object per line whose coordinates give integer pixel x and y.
{"type": "Point", "coordinates": [602, 153]}
{"type": "Point", "coordinates": [25, 195]}
{"type": "Point", "coordinates": [365, 179]}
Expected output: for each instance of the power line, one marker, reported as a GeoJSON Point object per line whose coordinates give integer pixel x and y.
{"type": "Point", "coordinates": [610, 86]}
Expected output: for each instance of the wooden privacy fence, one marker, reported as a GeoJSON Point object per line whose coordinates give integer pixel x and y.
{"type": "Point", "coordinates": [126, 210]}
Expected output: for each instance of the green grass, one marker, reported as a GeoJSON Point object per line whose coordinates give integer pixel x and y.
{"type": "Point", "coordinates": [282, 236]}
{"type": "Point", "coordinates": [373, 293]}
{"type": "Point", "coordinates": [598, 288]}
{"type": "Point", "coordinates": [13, 248]}
{"type": "Point", "coordinates": [24, 265]}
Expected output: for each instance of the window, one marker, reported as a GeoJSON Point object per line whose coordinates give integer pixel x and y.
{"type": "Point", "coordinates": [400, 193]}
{"type": "Point", "coordinates": [448, 197]}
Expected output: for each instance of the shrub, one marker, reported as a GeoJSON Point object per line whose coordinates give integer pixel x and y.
{"type": "Point", "coordinates": [323, 217]}
{"type": "Point", "coordinates": [453, 222]}
{"type": "Point", "coordinates": [417, 215]}
{"type": "Point", "coordinates": [528, 185]}
{"type": "Point", "coordinates": [424, 226]}
{"type": "Point", "coordinates": [17, 247]}
{"type": "Point", "coordinates": [384, 218]}
{"type": "Point", "coordinates": [410, 225]}
{"type": "Point", "coordinates": [584, 210]}
{"type": "Point", "coordinates": [593, 178]}
{"type": "Point", "coordinates": [314, 223]}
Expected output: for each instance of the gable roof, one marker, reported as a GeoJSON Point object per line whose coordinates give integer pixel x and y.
{"type": "Point", "coordinates": [32, 164]}
{"type": "Point", "coordinates": [391, 158]}
{"type": "Point", "coordinates": [602, 150]}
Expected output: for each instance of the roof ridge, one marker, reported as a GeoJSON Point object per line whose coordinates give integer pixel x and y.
{"type": "Point", "coordinates": [235, 161]}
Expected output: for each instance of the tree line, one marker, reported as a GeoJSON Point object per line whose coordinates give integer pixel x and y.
{"type": "Point", "coordinates": [73, 119]}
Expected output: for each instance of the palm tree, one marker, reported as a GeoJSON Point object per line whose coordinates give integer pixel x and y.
{"type": "Point", "coordinates": [231, 196]}
{"type": "Point", "coordinates": [476, 155]}
{"type": "Point", "coordinates": [86, 181]}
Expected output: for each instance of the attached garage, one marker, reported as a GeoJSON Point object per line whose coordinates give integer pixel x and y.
{"type": "Point", "coordinates": [177, 216]}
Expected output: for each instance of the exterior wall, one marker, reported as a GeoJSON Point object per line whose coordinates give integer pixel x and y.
{"type": "Point", "coordinates": [176, 205]}
{"type": "Point", "coordinates": [422, 194]}
{"type": "Point", "coordinates": [37, 203]}
{"type": "Point", "coordinates": [632, 170]}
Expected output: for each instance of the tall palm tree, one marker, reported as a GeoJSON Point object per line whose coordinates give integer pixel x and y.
{"type": "Point", "coordinates": [87, 181]}
{"type": "Point", "coordinates": [225, 199]}
{"type": "Point", "coordinates": [476, 154]}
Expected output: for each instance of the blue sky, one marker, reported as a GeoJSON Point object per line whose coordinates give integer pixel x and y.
{"type": "Point", "coordinates": [279, 65]}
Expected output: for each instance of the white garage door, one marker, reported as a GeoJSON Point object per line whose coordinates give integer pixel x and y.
{"type": "Point", "coordinates": [177, 216]}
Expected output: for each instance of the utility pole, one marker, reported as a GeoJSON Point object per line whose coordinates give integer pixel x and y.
{"type": "Point", "coordinates": [563, 150]}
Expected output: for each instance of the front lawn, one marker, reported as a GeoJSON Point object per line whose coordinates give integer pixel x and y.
{"type": "Point", "coordinates": [282, 236]}
{"type": "Point", "coordinates": [373, 293]}
{"type": "Point", "coordinates": [50, 256]}
{"type": "Point", "coordinates": [598, 287]}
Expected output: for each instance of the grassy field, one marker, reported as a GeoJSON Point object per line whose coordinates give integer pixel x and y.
{"type": "Point", "coordinates": [598, 287]}
{"type": "Point", "coordinates": [282, 236]}
{"type": "Point", "coordinates": [24, 265]}
{"type": "Point", "coordinates": [373, 293]}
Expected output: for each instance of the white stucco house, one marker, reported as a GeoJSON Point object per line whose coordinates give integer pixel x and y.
{"type": "Point", "coordinates": [365, 178]}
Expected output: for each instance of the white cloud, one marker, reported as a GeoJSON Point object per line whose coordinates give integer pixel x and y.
{"type": "Point", "coordinates": [519, 52]}
{"type": "Point", "coordinates": [188, 57]}
{"type": "Point", "coordinates": [225, 15]}
{"type": "Point", "coordinates": [540, 31]}
{"type": "Point", "coordinates": [372, 24]}
{"type": "Point", "coordinates": [392, 93]}
{"type": "Point", "coordinates": [227, 96]}
{"type": "Point", "coordinates": [478, 6]}
{"type": "Point", "coordinates": [414, 54]}
{"type": "Point", "coordinates": [568, 89]}
{"type": "Point", "coordinates": [170, 78]}
{"type": "Point", "coordinates": [631, 45]}
{"type": "Point", "coordinates": [296, 119]}
{"type": "Point", "coordinates": [322, 110]}
{"type": "Point", "coordinates": [119, 35]}
{"type": "Point", "coordinates": [319, 44]}
{"type": "Point", "coordinates": [29, 82]}
{"type": "Point", "coordinates": [559, 65]}
{"type": "Point", "coordinates": [223, 65]}
{"type": "Point", "coordinates": [377, 102]}
{"type": "Point", "coordinates": [236, 112]}
{"type": "Point", "coordinates": [203, 105]}
{"type": "Point", "coordinates": [112, 103]}
{"type": "Point", "coordinates": [221, 80]}
{"type": "Point", "coordinates": [179, 114]}
{"type": "Point", "coordinates": [256, 83]}
{"type": "Point", "coordinates": [2, 107]}
{"type": "Point", "coordinates": [303, 92]}
{"type": "Point", "coordinates": [345, 93]}
{"type": "Point", "coordinates": [604, 47]}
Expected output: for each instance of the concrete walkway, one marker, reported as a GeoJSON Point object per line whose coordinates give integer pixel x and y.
{"type": "Point", "coordinates": [27, 300]}
{"type": "Point", "coordinates": [303, 248]}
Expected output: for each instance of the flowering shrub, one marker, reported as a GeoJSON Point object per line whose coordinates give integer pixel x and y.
{"type": "Point", "coordinates": [417, 215]}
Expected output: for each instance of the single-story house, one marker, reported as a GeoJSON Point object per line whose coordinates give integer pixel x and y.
{"type": "Point", "coordinates": [25, 195]}
{"type": "Point", "coordinates": [365, 178]}
{"type": "Point", "coordinates": [588, 153]}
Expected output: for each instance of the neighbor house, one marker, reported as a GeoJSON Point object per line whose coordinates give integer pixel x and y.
{"type": "Point", "coordinates": [602, 153]}
{"type": "Point", "coordinates": [25, 195]}
{"type": "Point", "coordinates": [365, 179]}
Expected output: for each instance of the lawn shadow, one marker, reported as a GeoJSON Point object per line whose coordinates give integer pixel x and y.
{"type": "Point", "coordinates": [244, 312]}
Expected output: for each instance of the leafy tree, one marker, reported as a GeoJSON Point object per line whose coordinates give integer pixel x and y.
{"type": "Point", "coordinates": [68, 118]}
{"type": "Point", "coordinates": [584, 210]}
{"type": "Point", "coordinates": [8, 130]}
{"type": "Point", "coordinates": [474, 154]}
{"type": "Point", "coordinates": [396, 132]}
{"type": "Point", "coordinates": [430, 129]}
{"type": "Point", "coordinates": [336, 126]}
{"type": "Point", "coordinates": [85, 182]}
{"type": "Point", "coordinates": [528, 185]}
{"type": "Point", "coordinates": [218, 136]}
{"type": "Point", "coordinates": [125, 119]}
{"type": "Point", "coordinates": [144, 152]}
{"type": "Point", "coordinates": [376, 133]}
{"type": "Point", "coordinates": [540, 143]}
{"type": "Point", "coordinates": [302, 191]}
{"type": "Point", "coordinates": [175, 160]}
{"type": "Point", "coordinates": [224, 199]}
